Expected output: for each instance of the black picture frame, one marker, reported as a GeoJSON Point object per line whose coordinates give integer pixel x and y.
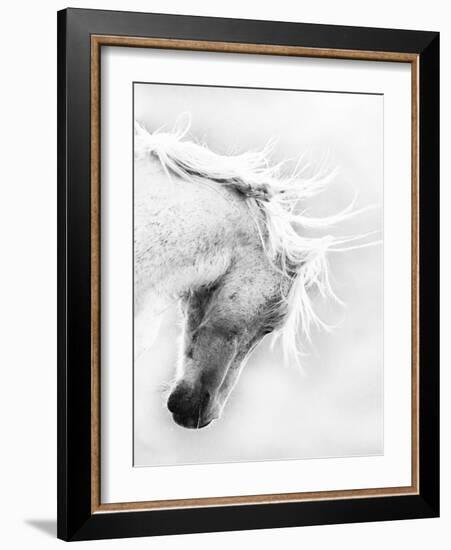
{"type": "Point", "coordinates": [76, 520]}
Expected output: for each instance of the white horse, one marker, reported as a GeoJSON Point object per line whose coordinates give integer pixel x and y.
{"type": "Point", "coordinates": [225, 237]}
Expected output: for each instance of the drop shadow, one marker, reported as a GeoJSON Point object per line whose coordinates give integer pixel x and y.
{"type": "Point", "coordinates": [46, 526]}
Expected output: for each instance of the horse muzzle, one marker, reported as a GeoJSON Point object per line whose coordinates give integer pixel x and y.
{"type": "Point", "coordinates": [189, 406]}
{"type": "Point", "coordinates": [190, 422]}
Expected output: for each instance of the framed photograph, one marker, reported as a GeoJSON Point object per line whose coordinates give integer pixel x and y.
{"type": "Point", "coordinates": [248, 274]}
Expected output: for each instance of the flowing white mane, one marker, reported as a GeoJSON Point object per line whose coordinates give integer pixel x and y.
{"type": "Point", "coordinates": [281, 198]}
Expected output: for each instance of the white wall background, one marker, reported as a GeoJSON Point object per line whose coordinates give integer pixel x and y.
{"type": "Point", "coordinates": [28, 277]}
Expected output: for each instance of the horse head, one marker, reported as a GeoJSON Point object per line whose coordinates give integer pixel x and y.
{"type": "Point", "coordinates": [222, 324]}
{"type": "Point", "coordinates": [261, 271]}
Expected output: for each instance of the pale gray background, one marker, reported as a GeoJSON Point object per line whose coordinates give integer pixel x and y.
{"type": "Point", "coordinates": [29, 507]}
{"type": "Point", "coordinates": [334, 408]}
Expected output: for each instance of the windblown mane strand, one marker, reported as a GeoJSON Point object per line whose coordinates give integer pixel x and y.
{"type": "Point", "coordinates": [279, 195]}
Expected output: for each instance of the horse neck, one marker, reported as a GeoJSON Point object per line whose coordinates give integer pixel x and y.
{"type": "Point", "coordinates": [186, 233]}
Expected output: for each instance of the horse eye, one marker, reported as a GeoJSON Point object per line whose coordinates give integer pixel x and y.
{"type": "Point", "coordinates": [211, 288]}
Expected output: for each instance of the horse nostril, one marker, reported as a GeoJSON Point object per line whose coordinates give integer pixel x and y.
{"type": "Point", "coordinates": [178, 397]}
{"type": "Point", "coordinates": [184, 399]}
{"type": "Point", "coordinates": [172, 402]}
{"type": "Point", "coordinates": [187, 401]}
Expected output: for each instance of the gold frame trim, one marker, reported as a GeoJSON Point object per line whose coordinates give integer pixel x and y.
{"type": "Point", "coordinates": [97, 41]}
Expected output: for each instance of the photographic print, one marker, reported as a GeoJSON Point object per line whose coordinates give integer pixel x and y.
{"type": "Point", "coordinates": [258, 274]}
